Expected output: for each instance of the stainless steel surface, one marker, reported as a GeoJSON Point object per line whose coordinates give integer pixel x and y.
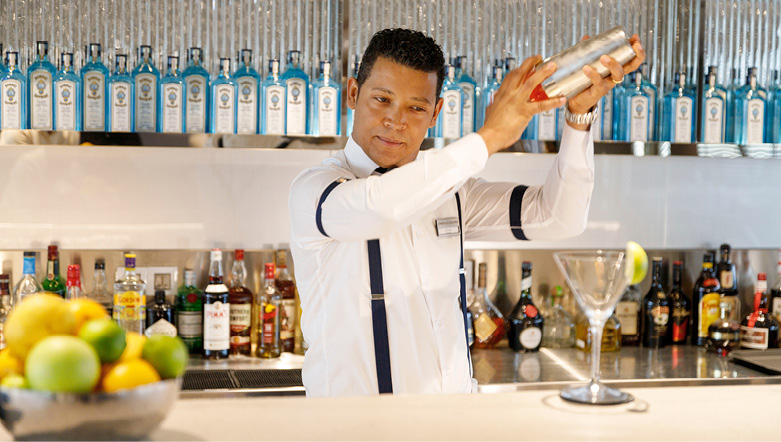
{"type": "Point", "coordinates": [125, 415]}
{"type": "Point", "coordinates": [285, 362]}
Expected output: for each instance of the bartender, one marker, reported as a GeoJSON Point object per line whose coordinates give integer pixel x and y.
{"type": "Point", "coordinates": [377, 229]}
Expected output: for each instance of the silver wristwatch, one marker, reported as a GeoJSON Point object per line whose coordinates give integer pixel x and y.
{"type": "Point", "coordinates": [587, 118]}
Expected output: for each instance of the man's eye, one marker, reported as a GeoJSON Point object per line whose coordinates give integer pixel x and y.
{"type": "Point", "coordinates": [418, 109]}
{"type": "Point", "coordinates": [382, 99]}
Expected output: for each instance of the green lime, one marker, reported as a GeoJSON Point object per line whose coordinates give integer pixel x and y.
{"type": "Point", "coordinates": [62, 364]}
{"type": "Point", "coordinates": [167, 354]}
{"type": "Point", "coordinates": [106, 337]}
{"type": "Point", "coordinates": [637, 262]}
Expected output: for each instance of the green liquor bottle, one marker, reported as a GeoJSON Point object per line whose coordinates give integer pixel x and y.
{"type": "Point", "coordinates": [53, 282]}
{"type": "Point", "coordinates": [189, 313]}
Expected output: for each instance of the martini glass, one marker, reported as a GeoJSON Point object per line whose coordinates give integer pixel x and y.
{"type": "Point", "coordinates": [598, 280]}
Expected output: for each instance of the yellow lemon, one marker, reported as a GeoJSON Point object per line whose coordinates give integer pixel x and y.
{"type": "Point", "coordinates": [85, 310]}
{"type": "Point", "coordinates": [9, 364]}
{"type": "Point", "coordinates": [637, 262]}
{"type": "Point", "coordinates": [35, 318]}
{"type": "Point", "coordinates": [134, 346]}
{"type": "Point", "coordinates": [129, 374]}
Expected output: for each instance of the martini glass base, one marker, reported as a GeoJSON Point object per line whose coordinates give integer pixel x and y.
{"type": "Point", "coordinates": [596, 393]}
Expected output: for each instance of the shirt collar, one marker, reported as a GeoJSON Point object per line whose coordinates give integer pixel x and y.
{"type": "Point", "coordinates": [360, 163]}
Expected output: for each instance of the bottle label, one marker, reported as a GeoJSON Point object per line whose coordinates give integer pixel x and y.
{"type": "Point", "coordinates": [94, 102]}
{"type": "Point", "coordinates": [41, 100]}
{"type": "Point", "coordinates": [224, 112]}
{"type": "Point", "coordinates": [129, 306]}
{"type": "Point", "coordinates": [190, 324]}
{"type": "Point", "coordinates": [216, 326]}
{"type": "Point", "coordinates": [727, 280]}
{"type": "Point", "coordinates": [639, 117]}
{"type": "Point", "coordinates": [268, 333]}
{"type": "Point", "coordinates": [195, 108]}
{"type": "Point", "coordinates": [66, 105]}
{"type": "Point", "coordinates": [468, 110]}
{"type": "Point", "coordinates": [708, 313]}
{"type": "Point", "coordinates": [734, 304]}
{"type": "Point", "coordinates": [161, 328]}
{"type": "Point", "coordinates": [247, 106]}
{"type": "Point", "coordinates": [626, 311]}
{"type": "Point", "coordinates": [268, 317]}
{"type": "Point", "coordinates": [451, 114]}
{"type": "Point", "coordinates": [120, 107]}
{"type": "Point", "coordinates": [714, 120]}
{"type": "Point", "coordinates": [12, 104]}
{"type": "Point", "coordinates": [546, 125]}
{"type": "Point", "coordinates": [275, 110]}
{"type": "Point", "coordinates": [526, 283]}
{"type": "Point", "coordinates": [753, 337]}
{"type": "Point", "coordinates": [288, 320]}
{"type": "Point", "coordinates": [146, 103]}
{"type": "Point", "coordinates": [680, 324]}
{"type": "Point", "coordinates": [327, 111]}
{"type": "Point", "coordinates": [531, 337]}
{"type": "Point", "coordinates": [607, 116]}
{"type": "Point", "coordinates": [776, 306]}
{"type": "Point", "coordinates": [683, 120]}
{"type": "Point", "coordinates": [172, 108]}
{"type": "Point", "coordinates": [50, 270]}
{"type": "Point", "coordinates": [660, 316]}
{"type": "Point", "coordinates": [296, 106]}
{"type": "Point", "coordinates": [240, 317]}
{"type": "Point", "coordinates": [755, 121]}
{"type": "Point", "coordinates": [484, 327]}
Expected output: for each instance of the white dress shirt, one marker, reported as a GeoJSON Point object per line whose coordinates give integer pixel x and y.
{"type": "Point", "coordinates": [420, 270]}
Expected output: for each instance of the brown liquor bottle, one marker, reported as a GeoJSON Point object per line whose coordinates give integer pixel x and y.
{"type": "Point", "coordinates": [216, 312]}
{"type": "Point", "coordinates": [240, 298]}
{"type": "Point", "coordinates": [287, 288]}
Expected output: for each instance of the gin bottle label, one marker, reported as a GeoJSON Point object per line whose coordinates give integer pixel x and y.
{"type": "Point", "coordinates": [296, 106]}
{"type": "Point", "coordinates": [120, 107]}
{"type": "Point", "coordinates": [247, 107]}
{"type": "Point", "coordinates": [146, 103]}
{"type": "Point", "coordinates": [683, 120]}
{"type": "Point", "coordinates": [129, 306]}
{"type": "Point", "coordinates": [196, 104]}
{"type": "Point", "coordinates": [714, 120]}
{"type": "Point", "coordinates": [224, 114]}
{"type": "Point", "coordinates": [12, 104]}
{"type": "Point", "coordinates": [468, 125]}
{"type": "Point", "coordinates": [326, 111]}
{"type": "Point", "coordinates": [41, 100]}
{"type": "Point", "coordinates": [66, 105]}
{"type": "Point", "coordinates": [275, 110]}
{"type": "Point", "coordinates": [546, 124]}
{"type": "Point", "coordinates": [216, 326]}
{"type": "Point", "coordinates": [638, 119]}
{"type": "Point", "coordinates": [172, 108]}
{"type": "Point", "coordinates": [94, 102]}
{"type": "Point", "coordinates": [755, 121]}
{"type": "Point", "coordinates": [451, 114]}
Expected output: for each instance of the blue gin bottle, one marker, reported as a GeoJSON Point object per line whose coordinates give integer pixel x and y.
{"type": "Point", "coordinates": [351, 112]}
{"type": "Point", "coordinates": [297, 88]}
{"type": "Point", "coordinates": [714, 118]}
{"type": "Point", "coordinates": [273, 94]}
{"type": "Point", "coordinates": [773, 91]}
{"type": "Point", "coordinates": [171, 103]}
{"type": "Point", "coordinates": [491, 88]}
{"type": "Point", "coordinates": [146, 79]}
{"type": "Point", "coordinates": [13, 94]}
{"type": "Point", "coordinates": [196, 105]}
{"type": "Point", "coordinates": [248, 83]}
{"type": "Point", "coordinates": [750, 105]}
{"type": "Point", "coordinates": [120, 97]}
{"type": "Point", "coordinates": [653, 95]}
{"type": "Point", "coordinates": [223, 97]}
{"type": "Point", "coordinates": [326, 104]}
{"type": "Point", "coordinates": [775, 128]}
{"type": "Point", "coordinates": [67, 90]}
{"type": "Point", "coordinates": [678, 112]}
{"type": "Point", "coordinates": [469, 86]}
{"type": "Point", "coordinates": [602, 129]}
{"type": "Point", "coordinates": [40, 78]}
{"type": "Point", "coordinates": [735, 84]}
{"type": "Point", "coordinates": [94, 82]}
{"type": "Point", "coordinates": [2, 62]}
{"type": "Point", "coordinates": [636, 122]}
{"type": "Point", "coordinates": [617, 128]}
{"type": "Point", "coordinates": [450, 121]}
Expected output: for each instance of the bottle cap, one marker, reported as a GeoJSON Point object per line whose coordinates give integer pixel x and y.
{"type": "Point", "coordinates": [94, 50]}
{"type": "Point", "coordinates": [245, 55]}
{"type": "Point", "coordinates": [173, 62]}
{"type": "Point", "coordinates": [761, 277]}
{"type": "Point", "coordinates": [216, 255]}
{"type": "Point", "coordinates": [270, 271]}
{"type": "Point", "coordinates": [526, 266]}
{"type": "Point", "coordinates": [678, 263]}
{"type": "Point", "coordinates": [53, 252]}
{"type": "Point", "coordinates": [42, 47]}
{"type": "Point", "coordinates": [273, 66]}
{"type": "Point", "coordinates": [130, 260]}
{"type": "Point", "coordinates": [4, 278]}
{"type": "Point", "coordinates": [239, 254]}
{"type": "Point", "coordinates": [74, 275]}
{"type": "Point", "coordinates": [100, 265]}
{"type": "Point", "coordinates": [29, 254]}
{"type": "Point", "coordinates": [195, 53]}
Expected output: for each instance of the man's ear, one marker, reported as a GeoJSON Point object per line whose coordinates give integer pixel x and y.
{"type": "Point", "coordinates": [437, 108]}
{"type": "Point", "coordinates": [352, 92]}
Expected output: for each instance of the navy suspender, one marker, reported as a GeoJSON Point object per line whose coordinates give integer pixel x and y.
{"type": "Point", "coordinates": [462, 279]}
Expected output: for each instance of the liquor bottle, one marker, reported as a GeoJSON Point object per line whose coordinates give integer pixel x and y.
{"type": "Point", "coordinates": [6, 303]}
{"type": "Point", "coordinates": [268, 305]}
{"type": "Point", "coordinates": [223, 98]}
{"type": "Point", "coordinates": [54, 283]}
{"type": "Point", "coordinates": [356, 66]}
{"type": "Point", "coordinates": [40, 76]}
{"type": "Point", "coordinates": [636, 123]}
{"type": "Point", "coordinates": [2, 65]}
{"type": "Point", "coordinates": [73, 284]}
{"type": "Point", "coordinates": [490, 90]}
{"type": "Point", "coordinates": [526, 322]}
{"type": "Point", "coordinates": [196, 79]}
{"type": "Point", "coordinates": [656, 311]}
{"type": "Point", "coordinates": [450, 119]}
{"type": "Point", "coordinates": [469, 86]}
{"type": "Point", "coordinates": [490, 327]}
{"type": "Point", "coordinates": [120, 102]}
{"type": "Point", "coordinates": [67, 90]}
{"type": "Point", "coordinates": [678, 113]}
{"type": "Point", "coordinates": [759, 330]}
{"type": "Point", "coordinates": [559, 330]}
{"type": "Point", "coordinates": [240, 298]}
{"type": "Point", "coordinates": [705, 300]}
{"type": "Point", "coordinates": [171, 106]}
{"type": "Point", "coordinates": [189, 313]}
{"type": "Point", "coordinates": [618, 110]}
{"type": "Point", "coordinates": [94, 77]}
{"type": "Point", "coordinates": [326, 104]}
{"type": "Point", "coordinates": [772, 93]}
{"type": "Point", "coordinates": [732, 90]}
{"type": "Point", "coordinates": [146, 78]}
{"type": "Point", "coordinates": [28, 285]}
{"type": "Point", "coordinates": [273, 97]}
{"type": "Point", "coordinates": [775, 296]}
{"type": "Point", "coordinates": [628, 314]}
{"type": "Point", "coordinates": [750, 107]}
{"type": "Point", "coordinates": [714, 109]}
{"type": "Point", "coordinates": [653, 96]}
{"type": "Point", "coordinates": [100, 292]}
{"type": "Point", "coordinates": [248, 84]}
{"type": "Point", "coordinates": [13, 87]}
{"type": "Point", "coordinates": [297, 89]}
{"type": "Point", "coordinates": [160, 318]}
{"type": "Point", "coordinates": [216, 312]}
{"type": "Point", "coordinates": [724, 333]}
{"type": "Point", "coordinates": [728, 281]}
{"type": "Point", "coordinates": [602, 129]}
{"type": "Point", "coordinates": [611, 333]}
{"type": "Point", "coordinates": [680, 308]}
{"type": "Point", "coordinates": [288, 313]}
{"type": "Point", "coordinates": [130, 298]}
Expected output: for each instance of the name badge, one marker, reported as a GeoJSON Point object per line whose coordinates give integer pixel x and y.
{"type": "Point", "coordinates": [448, 227]}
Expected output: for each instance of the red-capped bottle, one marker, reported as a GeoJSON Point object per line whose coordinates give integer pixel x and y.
{"type": "Point", "coordinates": [74, 290]}
{"type": "Point", "coordinates": [526, 322]}
{"type": "Point", "coordinates": [759, 330]}
{"type": "Point", "coordinates": [240, 298]}
{"type": "Point", "coordinates": [269, 303]}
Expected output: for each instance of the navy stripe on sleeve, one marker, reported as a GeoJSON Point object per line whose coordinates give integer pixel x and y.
{"type": "Point", "coordinates": [319, 211]}
{"type": "Point", "coordinates": [516, 200]}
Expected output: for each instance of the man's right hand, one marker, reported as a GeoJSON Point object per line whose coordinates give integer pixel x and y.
{"type": "Point", "coordinates": [512, 110]}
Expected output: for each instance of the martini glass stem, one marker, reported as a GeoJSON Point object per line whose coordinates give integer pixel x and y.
{"type": "Point", "coordinates": [596, 348]}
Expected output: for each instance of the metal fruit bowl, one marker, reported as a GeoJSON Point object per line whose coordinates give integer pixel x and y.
{"type": "Point", "coordinates": [128, 414]}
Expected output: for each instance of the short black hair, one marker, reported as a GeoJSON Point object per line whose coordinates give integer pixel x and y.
{"type": "Point", "coordinates": [407, 47]}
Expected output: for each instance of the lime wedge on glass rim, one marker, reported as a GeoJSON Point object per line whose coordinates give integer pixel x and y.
{"type": "Point", "coordinates": [637, 262]}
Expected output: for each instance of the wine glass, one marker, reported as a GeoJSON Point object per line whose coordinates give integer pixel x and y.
{"type": "Point", "coordinates": [598, 280]}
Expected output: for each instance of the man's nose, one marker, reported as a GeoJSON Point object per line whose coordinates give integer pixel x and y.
{"type": "Point", "coordinates": [395, 120]}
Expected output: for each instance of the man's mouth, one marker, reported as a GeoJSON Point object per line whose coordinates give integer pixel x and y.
{"type": "Point", "coordinates": [389, 142]}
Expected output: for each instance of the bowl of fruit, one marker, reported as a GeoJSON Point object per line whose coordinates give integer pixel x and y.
{"type": "Point", "coordinates": [69, 372]}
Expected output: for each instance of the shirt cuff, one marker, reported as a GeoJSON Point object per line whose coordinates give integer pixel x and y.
{"type": "Point", "coordinates": [470, 152]}
{"type": "Point", "coordinates": [577, 148]}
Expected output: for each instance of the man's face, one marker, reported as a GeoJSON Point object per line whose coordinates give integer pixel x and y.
{"type": "Point", "coordinates": [393, 111]}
